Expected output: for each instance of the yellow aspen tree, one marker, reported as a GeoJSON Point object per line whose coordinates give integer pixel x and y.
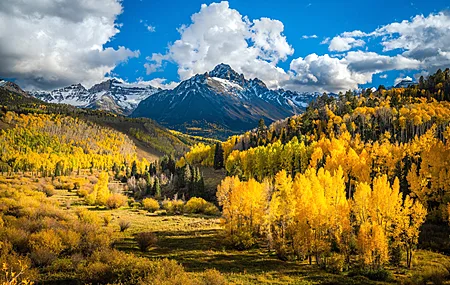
{"type": "Point", "coordinates": [408, 222]}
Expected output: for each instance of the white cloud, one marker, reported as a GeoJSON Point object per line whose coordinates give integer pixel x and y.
{"type": "Point", "coordinates": [383, 76]}
{"type": "Point", "coordinates": [219, 34]}
{"type": "Point", "coordinates": [326, 73]}
{"type": "Point", "coordinates": [305, 37]}
{"type": "Point", "coordinates": [162, 83]}
{"type": "Point", "coordinates": [52, 43]}
{"type": "Point", "coordinates": [354, 34]}
{"type": "Point", "coordinates": [341, 44]}
{"type": "Point", "coordinates": [400, 79]}
{"type": "Point", "coordinates": [151, 28]}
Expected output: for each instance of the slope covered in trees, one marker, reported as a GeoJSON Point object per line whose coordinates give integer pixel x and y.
{"type": "Point", "coordinates": [353, 175]}
{"type": "Point", "coordinates": [149, 137]}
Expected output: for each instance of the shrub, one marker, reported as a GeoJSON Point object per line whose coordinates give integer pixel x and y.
{"type": "Point", "coordinates": [45, 246]}
{"type": "Point", "coordinates": [169, 272]}
{"type": "Point", "coordinates": [434, 274]}
{"type": "Point", "coordinates": [87, 216]}
{"type": "Point", "coordinates": [200, 206]}
{"type": "Point", "coordinates": [145, 240]}
{"type": "Point", "coordinates": [116, 201]}
{"type": "Point", "coordinates": [195, 205]}
{"type": "Point", "coordinates": [115, 267]}
{"type": "Point", "coordinates": [107, 219]}
{"type": "Point", "coordinates": [47, 240]}
{"type": "Point", "coordinates": [377, 274]}
{"type": "Point", "coordinates": [70, 239]}
{"type": "Point", "coordinates": [173, 206]}
{"type": "Point", "coordinates": [395, 256]}
{"type": "Point", "coordinates": [124, 225]}
{"type": "Point", "coordinates": [48, 190]}
{"type": "Point", "coordinates": [336, 263]}
{"type": "Point", "coordinates": [15, 269]}
{"type": "Point", "coordinates": [150, 204]}
{"type": "Point", "coordinates": [92, 238]}
{"type": "Point", "coordinates": [213, 277]}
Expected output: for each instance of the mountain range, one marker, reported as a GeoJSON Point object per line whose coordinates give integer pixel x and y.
{"type": "Point", "coordinates": [112, 95]}
{"type": "Point", "coordinates": [221, 100]}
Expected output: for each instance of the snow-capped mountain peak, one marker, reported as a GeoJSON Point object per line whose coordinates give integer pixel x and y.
{"type": "Point", "coordinates": [112, 94]}
{"type": "Point", "coordinates": [223, 98]}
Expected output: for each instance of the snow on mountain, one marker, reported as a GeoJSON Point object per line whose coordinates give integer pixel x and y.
{"type": "Point", "coordinates": [112, 95]}
{"type": "Point", "coordinates": [222, 98]}
{"type": "Point", "coordinates": [405, 83]}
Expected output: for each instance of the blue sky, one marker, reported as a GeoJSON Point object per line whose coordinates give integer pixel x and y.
{"type": "Point", "coordinates": [321, 18]}
{"type": "Point", "coordinates": [83, 44]}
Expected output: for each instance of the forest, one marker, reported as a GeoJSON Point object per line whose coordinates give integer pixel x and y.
{"type": "Point", "coordinates": [356, 190]}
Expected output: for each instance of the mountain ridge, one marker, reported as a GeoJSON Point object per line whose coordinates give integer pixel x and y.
{"type": "Point", "coordinates": [110, 95]}
{"type": "Point", "coordinates": [224, 99]}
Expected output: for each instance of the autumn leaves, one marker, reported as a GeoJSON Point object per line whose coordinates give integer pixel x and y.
{"type": "Point", "coordinates": [310, 217]}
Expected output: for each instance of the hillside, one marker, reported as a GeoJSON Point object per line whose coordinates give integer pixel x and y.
{"type": "Point", "coordinates": [152, 140]}
{"type": "Point", "coordinates": [373, 163]}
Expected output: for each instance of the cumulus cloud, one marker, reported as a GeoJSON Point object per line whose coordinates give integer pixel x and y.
{"type": "Point", "coordinates": [162, 83]}
{"type": "Point", "coordinates": [383, 76]}
{"type": "Point", "coordinates": [219, 34]}
{"type": "Point", "coordinates": [326, 73]}
{"type": "Point", "coordinates": [305, 37]}
{"type": "Point", "coordinates": [46, 44]}
{"type": "Point", "coordinates": [341, 44]}
{"type": "Point", "coordinates": [423, 38]}
{"type": "Point", "coordinates": [400, 79]}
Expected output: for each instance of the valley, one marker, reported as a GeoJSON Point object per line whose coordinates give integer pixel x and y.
{"type": "Point", "coordinates": [335, 195]}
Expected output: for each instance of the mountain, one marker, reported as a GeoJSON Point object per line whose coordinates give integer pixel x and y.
{"type": "Point", "coordinates": [12, 95]}
{"type": "Point", "coordinates": [221, 102]}
{"type": "Point", "coordinates": [405, 83]}
{"type": "Point", "coordinates": [111, 95]}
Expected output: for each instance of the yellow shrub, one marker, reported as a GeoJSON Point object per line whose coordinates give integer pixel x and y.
{"type": "Point", "coordinates": [116, 201]}
{"type": "Point", "coordinates": [88, 217]}
{"type": "Point", "coordinates": [173, 206]}
{"type": "Point", "coordinates": [47, 240]}
{"type": "Point", "coordinates": [150, 204]}
{"type": "Point", "coordinates": [200, 206]}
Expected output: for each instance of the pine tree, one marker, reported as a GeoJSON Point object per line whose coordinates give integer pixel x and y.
{"type": "Point", "coordinates": [157, 188]}
{"type": "Point", "coordinates": [134, 169]}
{"type": "Point", "coordinates": [218, 156]}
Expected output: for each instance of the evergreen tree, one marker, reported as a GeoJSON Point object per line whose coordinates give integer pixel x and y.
{"type": "Point", "coordinates": [58, 169]}
{"type": "Point", "coordinates": [218, 156]}
{"type": "Point", "coordinates": [134, 169]}
{"type": "Point", "coordinates": [157, 188]}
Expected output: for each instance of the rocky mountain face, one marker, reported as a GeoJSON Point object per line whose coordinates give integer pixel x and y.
{"type": "Point", "coordinates": [221, 101]}
{"type": "Point", "coordinates": [111, 95]}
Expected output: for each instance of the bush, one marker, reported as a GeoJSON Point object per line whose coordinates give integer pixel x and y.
{"type": "Point", "coordinates": [379, 274]}
{"type": "Point", "coordinates": [107, 219]}
{"type": "Point", "coordinates": [336, 263]}
{"type": "Point", "coordinates": [114, 267]}
{"type": "Point", "coordinates": [434, 274]}
{"type": "Point", "coordinates": [213, 277]}
{"type": "Point", "coordinates": [173, 206]}
{"type": "Point", "coordinates": [150, 204]}
{"type": "Point", "coordinates": [48, 190]}
{"type": "Point", "coordinates": [116, 201]}
{"type": "Point", "coordinates": [124, 225]}
{"type": "Point", "coordinates": [145, 240]}
{"type": "Point", "coordinates": [87, 216]}
{"type": "Point", "coordinates": [169, 272]}
{"type": "Point", "coordinates": [200, 206]}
